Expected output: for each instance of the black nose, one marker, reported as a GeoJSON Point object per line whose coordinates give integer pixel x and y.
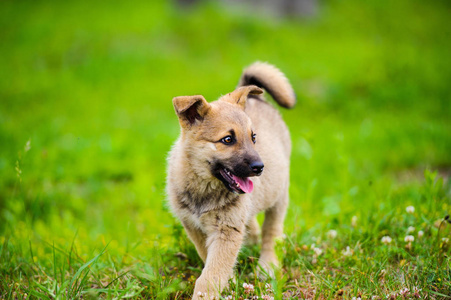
{"type": "Point", "coordinates": [257, 167]}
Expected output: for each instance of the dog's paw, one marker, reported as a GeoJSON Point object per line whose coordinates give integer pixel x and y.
{"type": "Point", "coordinates": [207, 289]}
{"type": "Point", "coordinates": [268, 263]}
{"type": "Point", "coordinates": [264, 273]}
{"type": "Point", "coordinates": [199, 295]}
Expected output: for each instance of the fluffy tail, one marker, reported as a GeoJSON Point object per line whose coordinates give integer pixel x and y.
{"type": "Point", "coordinates": [271, 79]}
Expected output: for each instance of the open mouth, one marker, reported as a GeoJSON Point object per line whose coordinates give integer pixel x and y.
{"type": "Point", "coordinates": [234, 183]}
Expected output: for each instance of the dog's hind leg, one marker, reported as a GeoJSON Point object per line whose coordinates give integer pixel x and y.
{"type": "Point", "coordinates": [272, 229]}
{"type": "Point", "coordinates": [253, 232]}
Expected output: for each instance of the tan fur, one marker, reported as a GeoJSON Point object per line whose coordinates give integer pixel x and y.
{"type": "Point", "coordinates": [274, 81]}
{"type": "Point", "coordinates": [215, 219]}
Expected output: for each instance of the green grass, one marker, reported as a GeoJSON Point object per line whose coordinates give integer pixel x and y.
{"type": "Point", "coordinates": [86, 122]}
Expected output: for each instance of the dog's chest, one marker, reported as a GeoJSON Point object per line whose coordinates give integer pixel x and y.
{"type": "Point", "coordinates": [194, 206]}
{"type": "Point", "coordinates": [199, 202]}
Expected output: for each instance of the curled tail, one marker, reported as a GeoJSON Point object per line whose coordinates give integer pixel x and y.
{"type": "Point", "coordinates": [271, 79]}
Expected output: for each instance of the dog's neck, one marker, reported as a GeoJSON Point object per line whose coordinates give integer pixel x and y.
{"type": "Point", "coordinates": [200, 195]}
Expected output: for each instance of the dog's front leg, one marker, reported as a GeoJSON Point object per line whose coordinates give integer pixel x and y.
{"type": "Point", "coordinates": [223, 244]}
{"type": "Point", "coordinates": [198, 238]}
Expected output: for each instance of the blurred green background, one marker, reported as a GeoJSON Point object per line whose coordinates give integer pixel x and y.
{"type": "Point", "coordinates": [86, 118]}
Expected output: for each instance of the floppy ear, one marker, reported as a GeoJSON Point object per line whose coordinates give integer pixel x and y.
{"type": "Point", "coordinates": [190, 108]}
{"type": "Point", "coordinates": [240, 95]}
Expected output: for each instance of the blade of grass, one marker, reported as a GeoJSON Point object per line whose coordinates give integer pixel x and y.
{"type": "Point", "coordinates": [55, 275]}
{"type": "Point", "coordinates": [439, 294]}
{"type": "Point", "coordinates": [86, 265]}
{"type": "Point", "coordinates": [44, 289]}
{"type": "Point", "coordinates": [71, 249]}
{"type": "Point", "coordinates": [39, 295]}
{"type": "Point", "coordinates": [115, 279]}
{"type": "Point", "coordinates": [31, 251]}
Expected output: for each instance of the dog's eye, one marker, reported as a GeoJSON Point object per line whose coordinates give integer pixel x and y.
{"type": "Point", "coordinates": [253, 138]}
{"type": "Point", "coordinates": [228, 140]}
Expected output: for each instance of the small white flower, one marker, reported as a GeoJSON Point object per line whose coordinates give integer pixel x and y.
{"type": "Point", "coordinates": [410, 209]}
{"type": "Point", "coordinates": [386, 240]}
{"type": "Point", "coordinates": [404, 292]}
{"type": "Point", "coordinates": [409, 238]}
{"type": "Point", "coordinates": [229, 297]}
{"type": "Point", "coordinates": [268, 288]}
{"type": "Point", "coordinates": [393, 295]}
{"type": "Point", "coordinates": [318, 251]}
{"type": "Point", "coordinates": [348, 251]}
{"type": "Point", "coordinates": [410, 229]}
{"type": "Point", "coordinates": [332, 234]}
{"type": "Point", "coordinates": [248, 288]}
{"type": "Point", "coordinates": [420, 234]}
{"type": "Point", "coordinates": [358, 298]}
{"type": "Point", "coordinates": [27, 146]}
{"type": "Point", "coordinates": [416, 292]}
{"type": "Point", "coordinates": [354, 221]}
{"type": "Point", "coordinates": [445, 240]}
{"type": "Point", "coordinates": [201, 295]}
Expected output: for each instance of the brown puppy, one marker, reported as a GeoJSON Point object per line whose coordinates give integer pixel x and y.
{"type": "Point", "coordinates": [222, 144]}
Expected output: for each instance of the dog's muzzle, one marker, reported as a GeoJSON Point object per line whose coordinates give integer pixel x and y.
{"type": "Point", "coordinates": [237, 180]}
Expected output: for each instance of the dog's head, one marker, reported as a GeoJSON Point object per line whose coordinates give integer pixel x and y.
{"type": "Point", "coordinates": [218, 138]}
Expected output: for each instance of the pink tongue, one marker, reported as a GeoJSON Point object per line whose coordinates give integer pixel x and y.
{"type": "Point", "coordinates": [245, 184]}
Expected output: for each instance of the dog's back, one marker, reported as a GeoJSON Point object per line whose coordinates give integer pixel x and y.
{"type": "Point", "coordinates": [274, 144]}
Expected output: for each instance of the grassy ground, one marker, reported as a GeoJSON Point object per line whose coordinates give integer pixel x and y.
{"type": "Point", "coordinates": [86, 121]}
